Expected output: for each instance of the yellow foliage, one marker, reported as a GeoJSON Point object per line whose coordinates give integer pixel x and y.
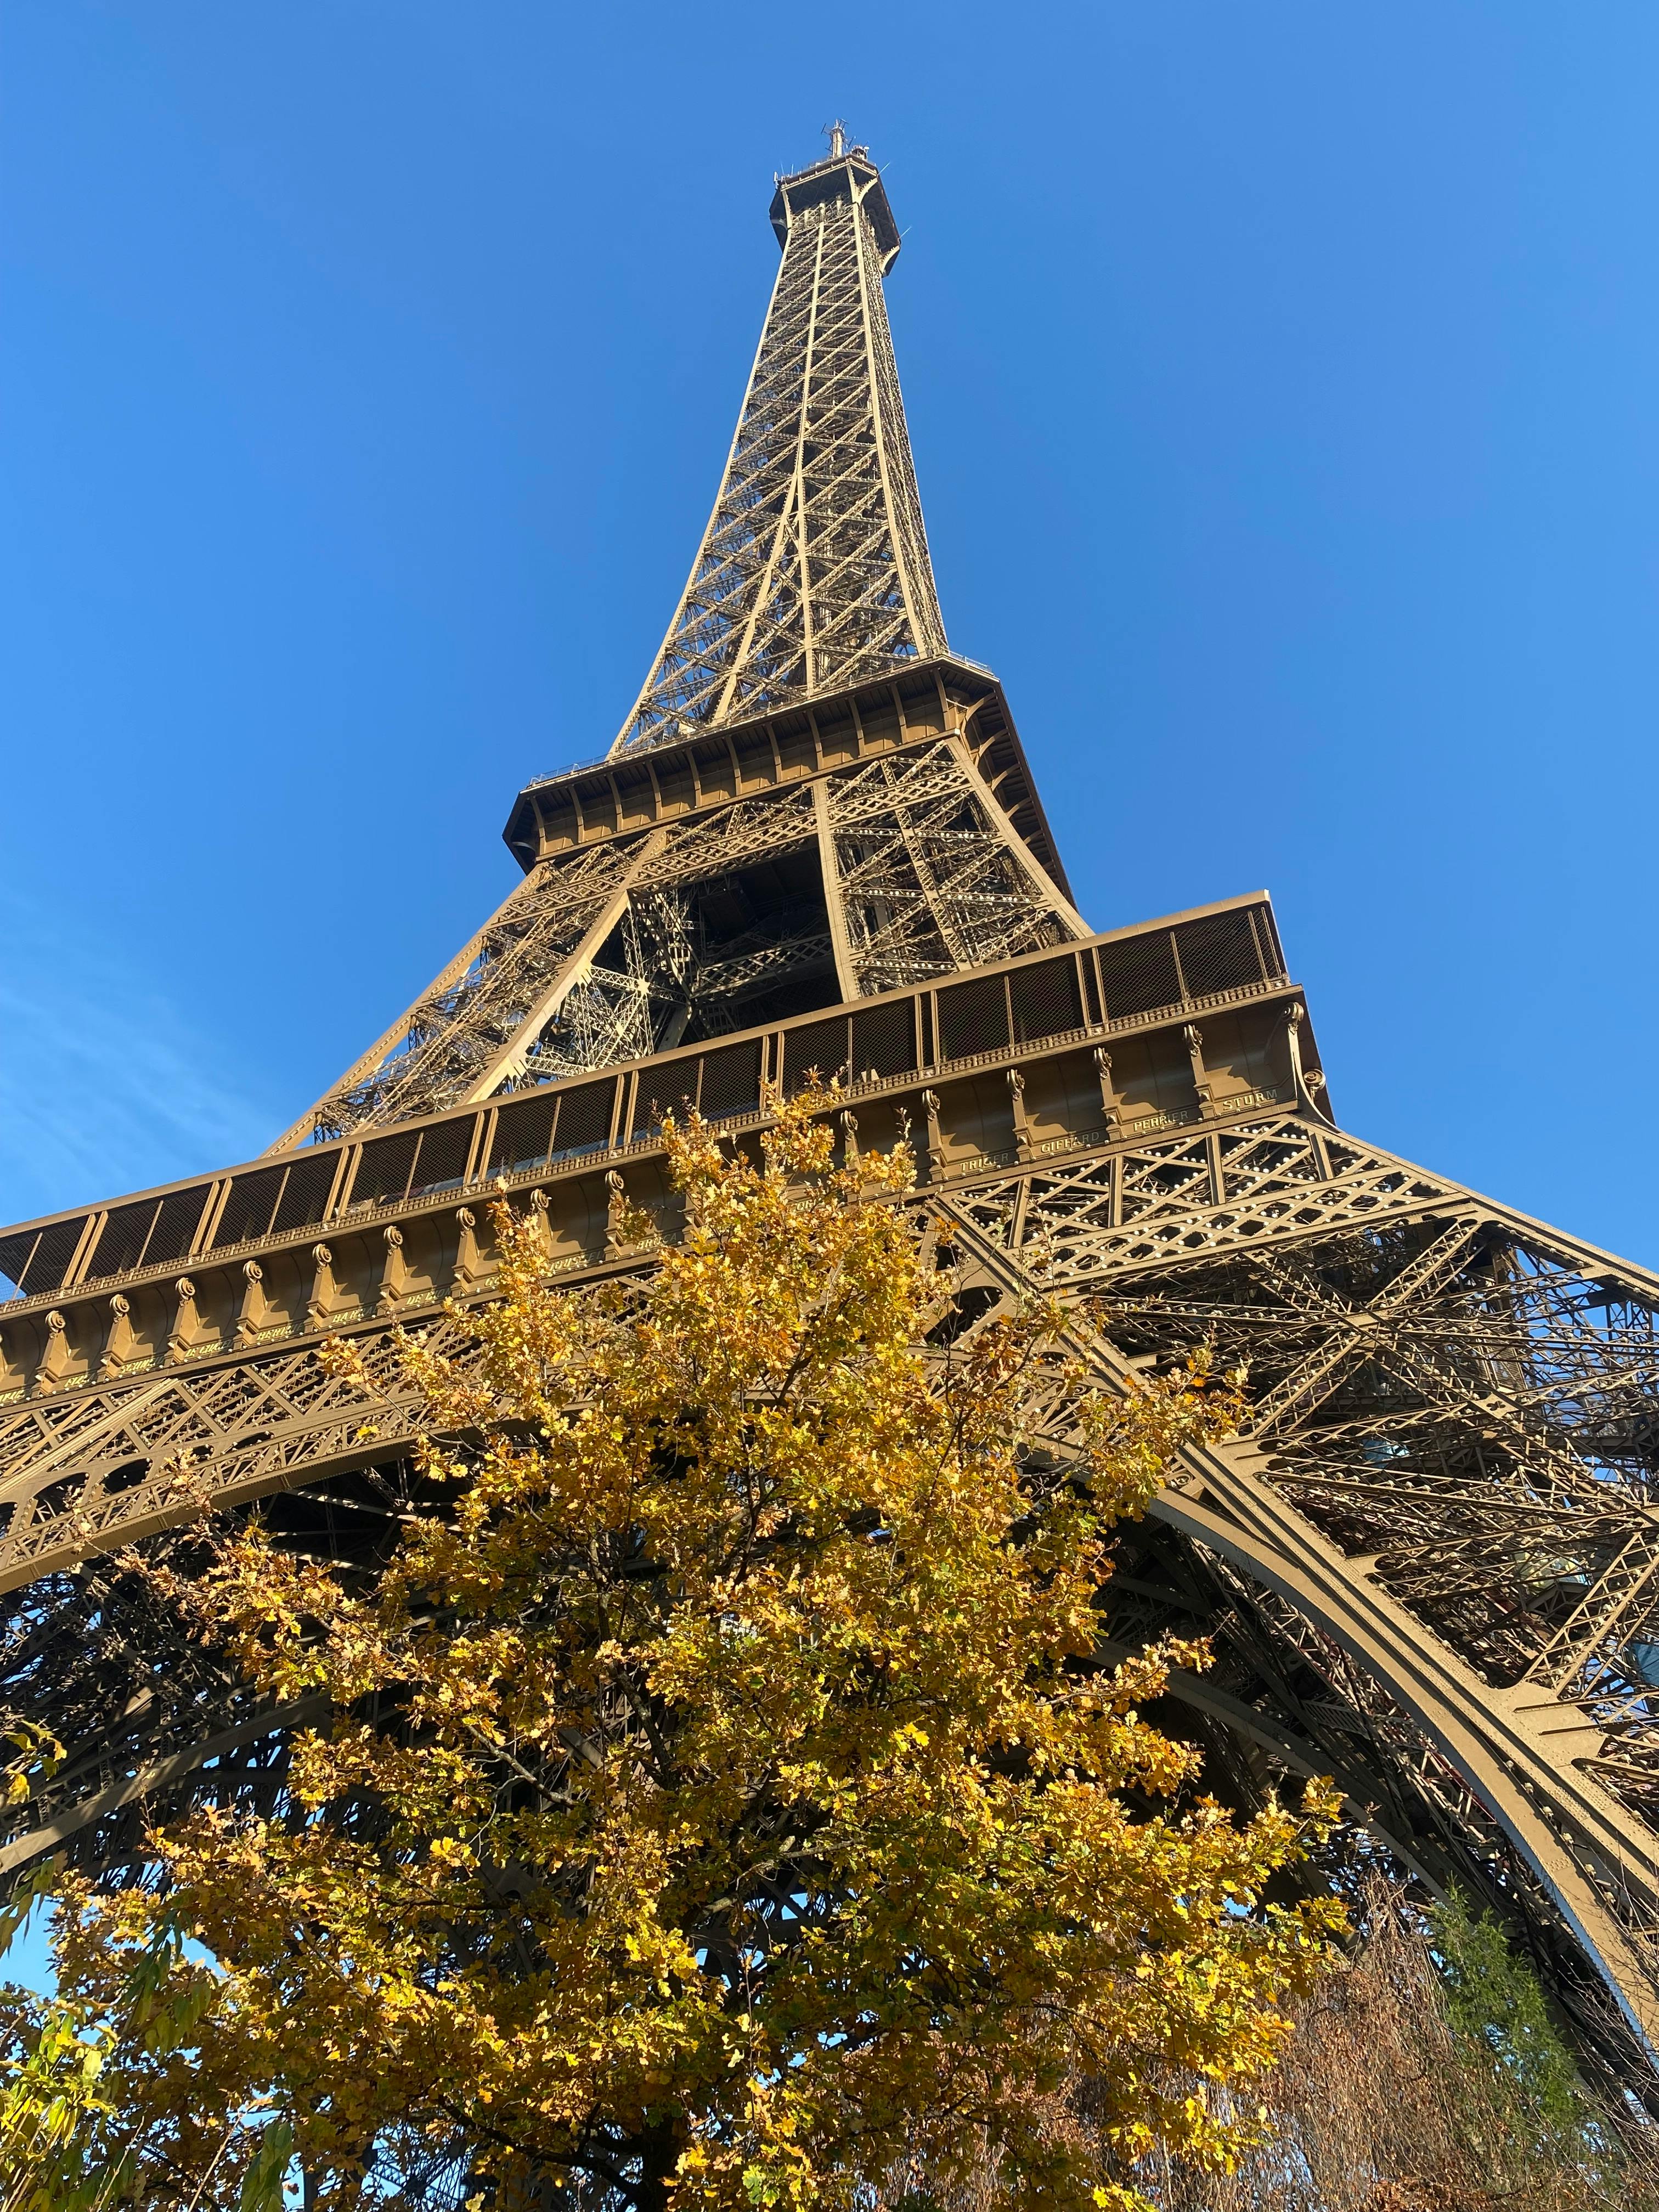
{"type": "Point", "coordinates": [725, 1806]}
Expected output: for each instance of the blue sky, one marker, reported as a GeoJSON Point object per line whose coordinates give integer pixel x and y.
{"type": "Point", "coordinates": [1283, 380]}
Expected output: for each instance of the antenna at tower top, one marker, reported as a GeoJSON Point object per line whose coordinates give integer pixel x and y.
{"type": "Point", "coordinates": [836, 134]}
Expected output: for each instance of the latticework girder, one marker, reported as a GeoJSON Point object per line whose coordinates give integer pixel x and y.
{"type": "Point", "coordinates": [595, 958]}
{"type": "Point", "coordinates": [814, 572]}
{"type": "Point", "coordinates": [437, 1051]}
{"type": "Point", "coordinates": [928, 882]}
{"type": "Point", "coordinates": [1496, 1588]}
{"type": "Point", "coordinates": [526, 998]}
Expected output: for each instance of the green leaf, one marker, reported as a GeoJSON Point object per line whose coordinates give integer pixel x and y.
{"type": "Point", "coordinates": [261, 2184]}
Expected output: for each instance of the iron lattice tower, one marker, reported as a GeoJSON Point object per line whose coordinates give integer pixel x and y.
{"type": "Point", "coordinates": [1430, 1566]}
{"type": "Point", "coordinates": [814, 571]}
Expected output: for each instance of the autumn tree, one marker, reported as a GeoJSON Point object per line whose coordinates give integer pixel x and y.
{"type": "Point", "coordinates": [724, 1804]}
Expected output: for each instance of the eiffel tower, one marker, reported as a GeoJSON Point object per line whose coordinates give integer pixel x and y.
{"type": "Point", "coordinates": [1430, 1564]}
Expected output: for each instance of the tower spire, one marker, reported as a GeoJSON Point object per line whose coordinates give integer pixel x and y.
{"type": "Point", "coordinates": [813, 573]}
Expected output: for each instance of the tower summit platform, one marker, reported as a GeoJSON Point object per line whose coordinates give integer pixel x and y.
{"type": "Point", "coordinates": [844, 175]}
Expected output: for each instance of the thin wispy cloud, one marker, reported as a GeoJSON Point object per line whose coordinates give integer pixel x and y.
{"type": "Point", "coordinates": [105, 1084]}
